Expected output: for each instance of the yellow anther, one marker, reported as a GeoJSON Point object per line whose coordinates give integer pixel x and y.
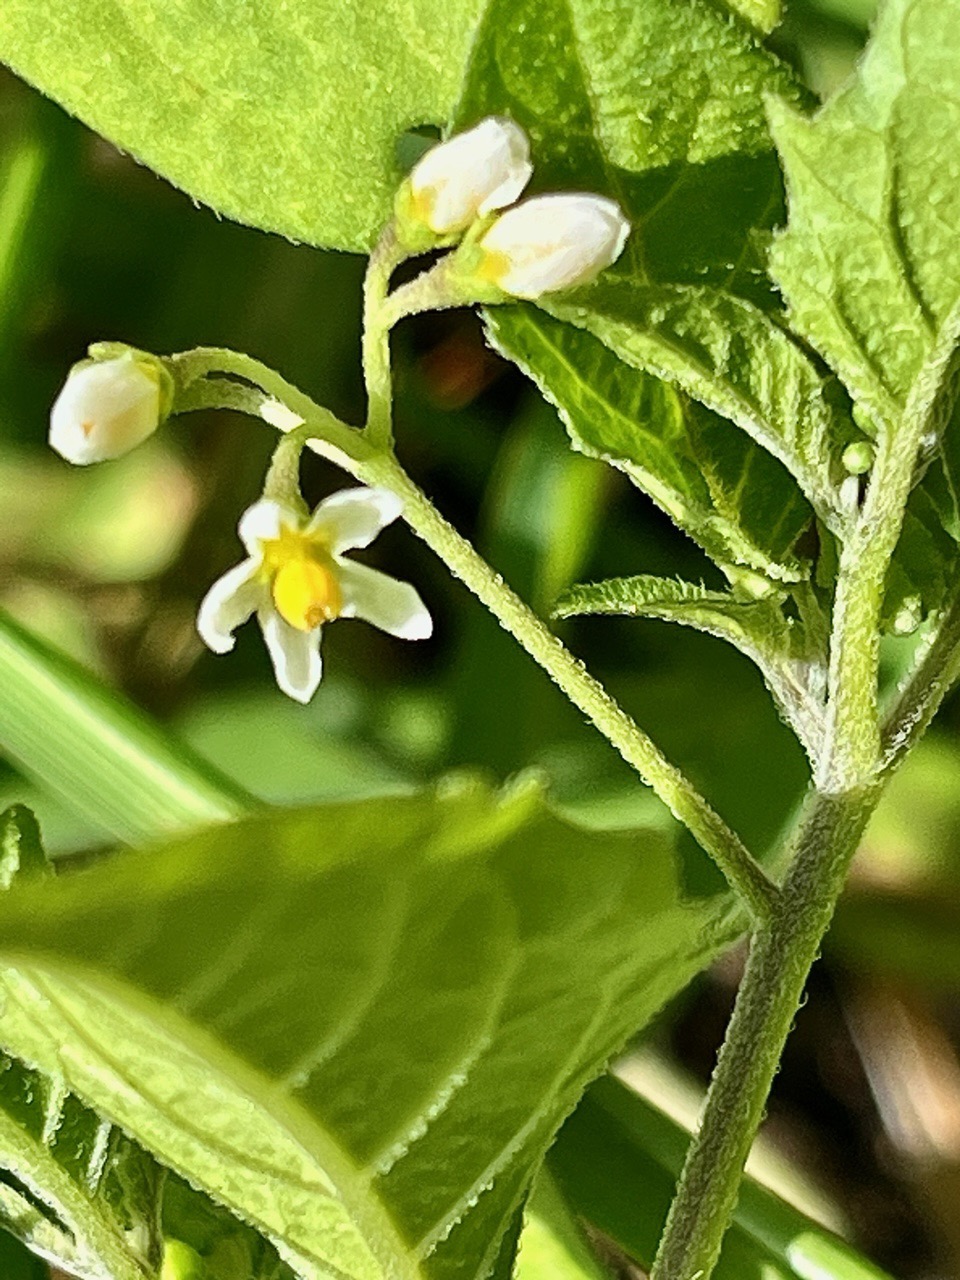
{"type": "Point", "coordinates": [306, 592]}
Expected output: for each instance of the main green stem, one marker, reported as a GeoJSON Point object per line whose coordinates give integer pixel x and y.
{"type": "Point", "coordinates": [780, 959]}
{"type": "Point", "coordinates": [847, 787]}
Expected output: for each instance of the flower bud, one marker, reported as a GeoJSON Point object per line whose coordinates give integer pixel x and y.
{"type": "Point", "coordinates": [552, 242]}
{"type": "Point", "coordinates": [108, 407]}
{"type": "Point", "coordinates": [466, 177]}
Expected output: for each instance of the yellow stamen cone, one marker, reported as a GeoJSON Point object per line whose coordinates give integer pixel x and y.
{"type": "Point", "coordinates": [306, 593]}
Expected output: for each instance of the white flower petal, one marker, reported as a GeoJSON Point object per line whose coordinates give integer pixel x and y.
{"type": "Point", "coordinates": [295, 655]}
{"type": "Point", "coordinates": [229, 602]}
{"type": "Point", "coordinates": [104, 410]}
{"type": "Point", "coordinates": [352, 518]}
{"type": "Point", "coordinates": [555, 242]}
{"type": "Point", "coordinates": [262, 523]}
{"type": "Point", "coordinates": [387, 603]}
{"type": "Point", "coordinates": [471, 174]}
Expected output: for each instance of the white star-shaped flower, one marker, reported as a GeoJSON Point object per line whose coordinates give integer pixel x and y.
{"type": "Point", "coordinates": [296, 578]}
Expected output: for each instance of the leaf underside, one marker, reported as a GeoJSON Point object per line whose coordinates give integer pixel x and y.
{"type": "Point", "coordinates": [348, 1063]}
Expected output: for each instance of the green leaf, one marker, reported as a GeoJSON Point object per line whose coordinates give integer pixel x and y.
{"type": "Point", "coordinates": [924, 567]}
{"type": "Point", "coordinates": [217, 1244]}
{"type": "Point", "coordinates": [72, 1188]}
{"type": "Point", "coordinates": [16, 1263]}
{"type": "Point", "coordinates": [354, 990]}
{"type": "Point", "coordinates": [869, 263]}
{"type": "Point", "coordinates": [617, 1159]}
{"type": "Point", "coordinates": [98, 753]}
{"type": "Point", "coordinates": [553, 1246]}
{"type": "Point", "coordinates": [280, 116]}
{"type": "Point", "coordinates": [728, 495]}
{"type": "Point", "coordinates": [288, 117]}
{"type": "Point", "coordinates": [726, 353]}
{"type": "Point", "coordinates": [753, 626]}
{"type": "Point", "coordinates": [762, 14]}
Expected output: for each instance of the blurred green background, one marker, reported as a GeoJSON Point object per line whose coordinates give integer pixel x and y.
{"type": "Point", "coordinates": [109, 564]}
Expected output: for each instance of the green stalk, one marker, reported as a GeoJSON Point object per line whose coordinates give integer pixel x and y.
{"type": "Point", "coordinates": [781, 956]}
{"type": "Point", "coordinates": [847, 788]}
{"type": "Point", "coordinates": [384, 260]}
{"type": "Point", "coordinates": [583, 690]}
{"type": "Point", "coordinates": [673, 788]}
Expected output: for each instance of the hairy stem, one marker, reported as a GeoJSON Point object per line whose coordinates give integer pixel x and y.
{"type": "Point", "coordinates": [586, 693]}
{"type": "Point", "coordinates": [848, 784]}
{"type": "Point", "coordinates": [781, 956]}
{"type": "Point", "coordinates": [384, 260]}
{"type": "Point", "coordinates": [853, 717]}
{"type": "Point", "coordinates": [717, 839]}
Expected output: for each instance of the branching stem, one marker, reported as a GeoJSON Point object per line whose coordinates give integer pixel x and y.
{"type": "Point", "coordinates": [368, 465]}
{"type": "Point", "coordinates": [583, 690]}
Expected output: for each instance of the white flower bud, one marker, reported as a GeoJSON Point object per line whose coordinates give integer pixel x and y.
{"type": "Point", "coordinates": [552, 242]}
{"type": "Point", "coordinates": [105, 409]}
{"type": "Point", "coordinates": [469, 175]}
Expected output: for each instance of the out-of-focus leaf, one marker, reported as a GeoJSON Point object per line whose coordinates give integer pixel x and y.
{"type": "Point", "coordinates": [288, 755]}
{"type": "Point", "coordinates": [98, 753]}
{"type": "Point", "coordinates": [900, 935]}
{"type": "Point", "coordinates": [223, 1246]}
{"type": "Point", "coordinates": [21, 171]}
{"type": "Point", "coordinates": [17, 1263]}
{"type": "Point", "coordinates": [617, 1159]}
{"type": "Point", "coordinates": [21, 848]}
{"type": "Point", "coordinates": [354, 989]}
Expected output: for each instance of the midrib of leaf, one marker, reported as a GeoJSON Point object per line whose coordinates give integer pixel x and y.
{"type": "Point", "coordinates": [672, 501]}
{"type": "Point", "coordinates": [724, 539]}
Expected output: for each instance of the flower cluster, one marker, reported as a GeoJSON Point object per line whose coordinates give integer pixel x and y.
{"type": "Point", "coordinates": [296, 576]}
{"type": "Point", "coordinates": [539, 246]}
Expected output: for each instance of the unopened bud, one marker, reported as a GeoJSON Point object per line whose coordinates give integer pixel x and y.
{"type": "Point", "coordinates": [858, 458]}
{"type": "Point", "coordinates": [466, 177]}
{"type": "Point", "coordinates": [552, 242]}
{"type": "Point", "coordinates": [108, 407]}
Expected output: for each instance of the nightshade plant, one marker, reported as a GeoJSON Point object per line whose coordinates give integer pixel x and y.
{"type": "Point", "coordinates": [770, 355]}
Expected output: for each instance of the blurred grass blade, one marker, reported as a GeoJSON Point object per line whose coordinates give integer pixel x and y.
{"type": "Point", "coordinates": [552, 1245]}
{"type": "Point", "coordinates": [96, 752]}
{"type": "Point", "coordinates": [617, 1159]}
{"type": "Point", "coordinates": [20, 177]}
